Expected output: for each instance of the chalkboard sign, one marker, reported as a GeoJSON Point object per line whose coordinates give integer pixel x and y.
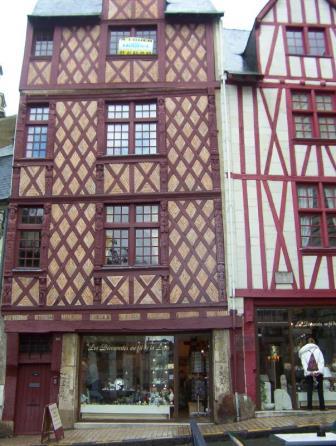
{"type": "Point", "coordinates": [52, 423]}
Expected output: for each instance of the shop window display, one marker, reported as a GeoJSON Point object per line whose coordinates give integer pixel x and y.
{"type": "Point", "coordinates": [121, 373]}
{"type": "Point", "coordinates": [282, 382]}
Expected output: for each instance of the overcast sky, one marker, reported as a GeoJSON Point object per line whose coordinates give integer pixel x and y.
{"type": "Point", "coordinates": [238, 14]}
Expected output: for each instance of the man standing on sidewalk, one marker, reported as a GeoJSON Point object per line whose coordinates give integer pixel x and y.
{"type": "Point", "coordinates": [313, 364]}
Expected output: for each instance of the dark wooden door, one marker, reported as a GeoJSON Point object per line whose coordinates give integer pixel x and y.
{"type": "Point", "coordinates": [32, 396]}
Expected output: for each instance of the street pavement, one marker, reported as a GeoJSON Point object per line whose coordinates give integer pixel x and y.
{"type": "Point", "coordinates": [163, 433]}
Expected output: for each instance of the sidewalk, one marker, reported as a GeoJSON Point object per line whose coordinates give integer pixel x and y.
{"type": "Point", "coordinates": [117, 433]}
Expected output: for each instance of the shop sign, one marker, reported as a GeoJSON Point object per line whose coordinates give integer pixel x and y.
{"type": "Point", "coordinates": [135, 45]}
{"type": "Point", "coordinates": [135, 348]}
{"type": "Point", "coordinates": [310, 324]}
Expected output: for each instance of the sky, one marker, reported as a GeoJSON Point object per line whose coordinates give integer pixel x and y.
{"type": "Point", "coordinates": [238, 14]}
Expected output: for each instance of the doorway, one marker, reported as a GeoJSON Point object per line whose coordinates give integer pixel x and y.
{"type": "Point", "coordinates": [32, 397]}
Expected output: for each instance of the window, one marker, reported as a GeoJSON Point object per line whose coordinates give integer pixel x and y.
{"type": "Point", "coordinates": [306, 42]}
{"type": "Point", "coordinates": [132, 235]}
{"type": "Point", "coordinates": [317, 212]}
{"type": "Point", "coordinates": [133, 41]}
{"type": "Point", "coordinates": [30, 224]}
{"type": "Point", "coordinates": [36, 143]}
{"type": "Point", "coordinates": [314, 115]}
{"type": "Point", "coordinates": [132, 129]}
{"type": "Point", "coordinates": [43, 43]}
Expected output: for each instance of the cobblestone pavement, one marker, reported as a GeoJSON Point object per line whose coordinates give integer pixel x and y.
{"type": "Point", "coordinates": [126, 432]}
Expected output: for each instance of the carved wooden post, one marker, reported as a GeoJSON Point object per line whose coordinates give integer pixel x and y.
{"type": "Point", "coordinates": [220, 249]}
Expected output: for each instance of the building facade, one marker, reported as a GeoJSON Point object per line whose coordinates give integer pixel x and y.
{"type": "Point", "coordinates": [280, 193]}
{"type": "Point", "coordinates": [114, 288]}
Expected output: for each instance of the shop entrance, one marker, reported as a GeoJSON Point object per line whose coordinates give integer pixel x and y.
{"type": "Point", "coordinates": [32, 397]}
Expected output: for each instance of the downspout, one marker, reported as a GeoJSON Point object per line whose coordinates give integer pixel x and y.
{"type": "Point", "coordinates": [229, 222]}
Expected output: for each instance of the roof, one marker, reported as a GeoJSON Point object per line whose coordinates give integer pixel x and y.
{"type": "Point", "coordinates": [6, 159]}
{"type": "Point", "coordinates": [7, 130]}
{"type": "Point", "coordinates": [66, 8]}
{"type": "Point", "coordinates": [239, 53]}
{"type": "Point", "coordinates": [191, 7]}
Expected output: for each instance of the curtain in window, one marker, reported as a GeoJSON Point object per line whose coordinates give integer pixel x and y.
{"type": "Point", "coordinates": [307, 197]}
{"type": "Point", "coordinates": [329, 193]}
{"type": "Point", "coordinates": [306, 230]}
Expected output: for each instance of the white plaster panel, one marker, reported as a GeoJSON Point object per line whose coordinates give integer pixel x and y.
{"type": "Point", "coordinates": [329, 169]}
{"type": "Point", "coordinates": [310, 65]}
{"type": "Point", "coordinates": [322, 280]}
{"type": "Point", "coordinates": [281, 9]}
{"type": "Point", "coordinates": [282, 134]}
{"type": "Point", "coordinates": [233, 126]}
{"type": "Point", "coordinates": [265, 42]}
{"type": "Point", "coordinates": [295, 66]}
{"type": "Point", "coordinates": [269, 17]}
{"type": "Point", "coordinates": [324, 9]}
{"type": "Point", "coordinates": [289, 233]}
{"type": "Point", "coordinates": [254, 235]}
{"type": "Point", "coordinates": [326, 68]}
{"type": "Point", "coordinates": [249, 137]}
{"type": "Point", "coordinates": [275, 188]}
{"type": "Point", "coordinates": [278, 66]}
{"type": "Point", "coordinates": [310, 11]}
{"type": "Point", "coordinates": [296, 11]}
{"type": "Point", "coordinates": [300, 153]}
{"type": "Point", "coordinates": [308, 268]}
{"type": "Point", "coordinates": [240, 245]}
{"type": "Point", "coordinates": [270, 236]}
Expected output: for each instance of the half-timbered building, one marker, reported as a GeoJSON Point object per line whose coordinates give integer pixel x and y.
{"type": "Point", "coordinates": [114, 293]}
{"type": "Point", "coordinates": [279, 110]}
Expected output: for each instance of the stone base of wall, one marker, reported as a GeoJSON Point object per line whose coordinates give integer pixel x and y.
{"type": "Point", "coordinates": [6, 429]}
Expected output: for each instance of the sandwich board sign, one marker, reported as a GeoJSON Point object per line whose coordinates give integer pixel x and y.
{"type": "Point", "coordinates": [52, 423]}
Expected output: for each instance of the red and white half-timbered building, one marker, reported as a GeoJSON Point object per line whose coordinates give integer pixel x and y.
{"type": "Point", "coordinates": [114, 295]}
{"type": "Point", "coordinates": [279, 160]}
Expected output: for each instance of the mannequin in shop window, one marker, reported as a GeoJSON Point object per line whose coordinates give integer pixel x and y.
{"type": "Point", "coordinates": [313, 374]}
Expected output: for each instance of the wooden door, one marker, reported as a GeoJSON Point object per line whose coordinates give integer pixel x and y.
{"type": "Point", "coordinates": [32, 396]}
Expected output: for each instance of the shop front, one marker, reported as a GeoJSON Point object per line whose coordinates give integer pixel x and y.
{"type": "Point", "coordinates": [281, 332]}
{"type": "Point", "coordinates": [145, 376]}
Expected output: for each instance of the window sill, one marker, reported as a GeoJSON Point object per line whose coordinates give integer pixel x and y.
{"type": "Point", "coordinates": [131, 56]}
{"type": "Point", "coordinates": [47, 58]}
{"type": "Point", "coordinates": [314, 141]}
{"type": "Point", "coordinates": [310, 55]}
{"type": "Point", "coordinates": [132, 157]}
{"type": "Point", "coordinates": [129, 269]}
{"type": "Point", "coordinates": [27, 271]}
{"type": "Point", "coordinates": [318, 250]}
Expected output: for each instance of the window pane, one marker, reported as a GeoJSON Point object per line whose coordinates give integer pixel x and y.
{"type": "Point", "coordinates": [303, 126]}
{"type": "Point", "coordinates": [331, 221]}
{"type": "Point", "coordinates": [307, 196]}
{"type": "Point", "coordinates": [117, 214]}
{"type": "Point", "coordinates": [36, 142]}
{"type": "Point", "coordinates": [117, 139]}
{"type": "Point", "coordinates": [39, 114]}
{"type": "Point", "coordinates": [148, 34]}
{"type": "Point", "coordinates": [324, 102]}
{"type": "Point", "coordinates": [145, 110]}
{"type": "Point", "coordinates": [300, 101]}
{"type": "Point", "coordinates": [116, 247]}
{"type": "Point", "coordinates": [118, 111]}
{"type": "Point", "coordinates": [146, 250]}
{"type": "Point", "coordinates": [310, 230]}
{"type": "Point", "coordinates": [146, 214]}
{"type": "Point", "coordinates": [43, 43]}
{"type": "Point", "coordinates": [115, 36]}
{"type": "Point", "coordinates": [330, 197]}
{"type": "Point", "coordinates": [33, 216]}
{"type": "Point", "coordinates": [327, 126]}
{"type": "Point", "coordinates": [29, 249]}
{"type": "Point", "coordinates": [295, 42]}
{"type": "Point", "coordinates": [145, 138]}
{"type": "Point", "coordinates": [317, 46]}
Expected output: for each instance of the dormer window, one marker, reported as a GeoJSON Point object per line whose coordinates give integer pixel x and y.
{"type": "Point", "coordinates": [43, 43]}
{"type": "Point", "coordinates": [134, 41]}
{"type": "Point", "coordinates": [303, 41]}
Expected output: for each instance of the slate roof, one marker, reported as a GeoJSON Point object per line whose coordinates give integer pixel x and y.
{"type": "Point", "coordinates": [65, 8]}
{"type": "Point", "coordinates": [191, 7]}
{"type": "Point", "coordinates": [6, 160]}
{"type": "Point", "coordinates": [239, 52]}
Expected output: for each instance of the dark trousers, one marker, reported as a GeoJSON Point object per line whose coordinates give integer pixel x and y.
{"type": "Point", "coordinates": [310, 386]}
